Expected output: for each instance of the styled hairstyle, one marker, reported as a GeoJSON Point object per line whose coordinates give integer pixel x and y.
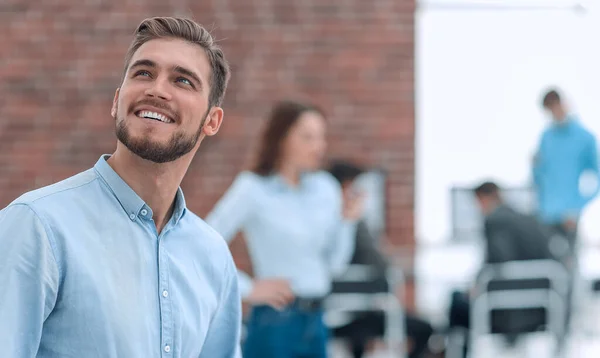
{"type": "Point", "coordinates": [344, 171]}
{"type": "Point", "coordinates": [487, 189]}
{"type": "Point", "coordinates": [551, 97]}
{"type": "Point", "coordinates": [188, 30]}
{"type": "Point", "coordinates": [282, 118]}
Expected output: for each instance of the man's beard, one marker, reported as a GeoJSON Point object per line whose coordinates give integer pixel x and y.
{"type": "Point", "coordinates": [178, 145]}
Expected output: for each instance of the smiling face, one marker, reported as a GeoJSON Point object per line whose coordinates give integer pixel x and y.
{"type": "Point", "coordinates": [162, 105]}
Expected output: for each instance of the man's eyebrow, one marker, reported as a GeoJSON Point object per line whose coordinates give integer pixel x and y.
{"type": "Point", "coordinates": [179, 69]}
{"type": "Point", "coordinates": [184, 71]}
{"type": "Point", "coordinates": [143, 63]}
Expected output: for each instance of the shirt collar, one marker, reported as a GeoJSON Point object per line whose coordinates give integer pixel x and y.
{"type": "Point", "coordinates": [566, 122]}
{"type": "Point", "coordinates": [131, 203]}
{"type": "Point", "coordinates": [283, 184]}
{"type": "Point", "coordinates": [495, 209]}
{"type": "Point", "coordinates": [180, 206]}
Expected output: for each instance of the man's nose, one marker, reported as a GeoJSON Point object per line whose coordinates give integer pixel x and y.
{"type": "Point", "coordinates": [159, 89]}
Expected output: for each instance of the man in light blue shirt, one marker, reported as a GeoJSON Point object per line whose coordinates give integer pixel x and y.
{"type": "Point", "coordinates": [567, 151]}
{"type": "Point", "coordinates": [110, 263]}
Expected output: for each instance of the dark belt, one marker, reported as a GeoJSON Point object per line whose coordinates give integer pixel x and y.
{"type": "Point", "coordinates": [308, 303]}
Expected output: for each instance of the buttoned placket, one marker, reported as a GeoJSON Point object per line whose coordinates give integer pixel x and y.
{"type": "Point", "coordinates": [166, 305]}
{"type": "Point", "coordinates": [166, 311]}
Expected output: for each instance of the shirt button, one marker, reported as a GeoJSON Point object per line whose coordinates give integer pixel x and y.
{"type": "Point", "coordinates": [167, 348]}
{"type": "Point", "coordinates": [132, 217]}
{"type": "Point", "coordinates": [165, 293]}
{"type": "Point", "coordinates": [144, 212]}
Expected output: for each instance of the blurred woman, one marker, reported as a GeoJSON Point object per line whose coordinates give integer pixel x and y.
{"type": "Point", "coordinates": [298, 230]}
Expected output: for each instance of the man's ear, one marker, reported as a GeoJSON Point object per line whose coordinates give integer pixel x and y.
{"type": "Point", "coordinates": [113, 110]}
{"type": "Point", "coordinates": [213, 121]}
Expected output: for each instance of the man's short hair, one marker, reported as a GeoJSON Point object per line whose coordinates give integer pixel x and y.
{"type": "Point", "coordinates": [344, 171]}
{"type": "Point", "coordinates": [550, 98]}
{"type": "Point", "coordinates": [188, 30]}
{"type": "Point", "coordinates": [487, 188]}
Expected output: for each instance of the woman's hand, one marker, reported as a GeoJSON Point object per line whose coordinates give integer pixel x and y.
{"type": "Point", "coordinates": [276, 293]}
{"type": "Point", "coordinates": [353, 205]}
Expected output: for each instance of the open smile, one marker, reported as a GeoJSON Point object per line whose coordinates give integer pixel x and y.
{"type": "Point", "coordinates": [154, 116]}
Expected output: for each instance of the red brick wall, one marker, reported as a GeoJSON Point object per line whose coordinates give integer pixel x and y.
{"type": "Point", "coordinates": [61, 61]}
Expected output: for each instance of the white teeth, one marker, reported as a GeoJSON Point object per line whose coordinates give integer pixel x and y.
{"type": "Point", "coordinates": [154, 115]}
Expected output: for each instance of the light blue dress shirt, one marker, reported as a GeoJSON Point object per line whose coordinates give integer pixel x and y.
{"type": "Point", "coordinates": [566, 152]}
{"type": "Point", "coordinates": [84, 274]}
{"type": "Point", "coordinates": [295, 233]}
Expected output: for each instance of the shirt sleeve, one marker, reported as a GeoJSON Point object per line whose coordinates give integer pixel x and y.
{"type": "Point", "coordinates": [538, 164]}
{"type": "Point", "coordinates": [233, 209]}
{"type": "Point", "coordinates": [343, 234]}
{"type": "Point", "coordinates": [29, 275]}
{"type": "Point", "coordinates": [223, 337]}
{"type": "Point", "coordinates": [231, 212]}
{"type": "Point", "coordinates": [591, 165]}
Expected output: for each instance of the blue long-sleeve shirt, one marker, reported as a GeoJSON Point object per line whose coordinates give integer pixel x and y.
{"type": "Point", "coordinates": [85, 274]}
{"type": "Point", "coordinates": [295, 233]}
{"type": "Point", "coordinates": [566, 151]}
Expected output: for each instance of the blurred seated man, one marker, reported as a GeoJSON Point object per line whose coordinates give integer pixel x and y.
{"type": "Point", "coordinates": [368, 325]}
{"type": "Point", "coordinates": [510, 236]}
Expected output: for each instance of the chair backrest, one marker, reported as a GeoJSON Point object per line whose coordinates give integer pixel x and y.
{"type": "Point", "coordinates": [340, 306]}
{"type": "Point", "coordinates": [532, 271]}
{"type": "Point", "coordinates": [360, 279]}
{"type": "Point", "coordinates": [516, 288]}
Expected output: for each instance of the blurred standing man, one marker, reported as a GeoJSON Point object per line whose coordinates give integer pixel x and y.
{"type": "Point", "coordinates": [566, 151]}
{"type": "Point", "coordinates": [110, 263]}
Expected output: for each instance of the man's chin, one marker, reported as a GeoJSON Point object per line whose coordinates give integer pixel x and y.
{"type": "Point", "coordinates": [158, 159]}
{"type": "Point", "coordinates": [155, 155]}
{"type": "Point", "coordinates": [147, 150]}
{"type": "Point", "coordinates": [154, 150]}
{"type": "Point", "coordinates": [152, 138]}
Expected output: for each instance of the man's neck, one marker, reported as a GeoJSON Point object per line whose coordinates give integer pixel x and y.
{"type": "Point", "coordinates": [492, 207]}
{"type": "Point", "coordinates": [562, 117]}
{"type": "Point", "coordinates": [155, 183]}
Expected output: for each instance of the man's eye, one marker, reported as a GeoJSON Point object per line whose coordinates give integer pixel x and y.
{"type": "Point", "coordinates": [142, 73]}
{"type": "Point", "coordinates": [184, 81]}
